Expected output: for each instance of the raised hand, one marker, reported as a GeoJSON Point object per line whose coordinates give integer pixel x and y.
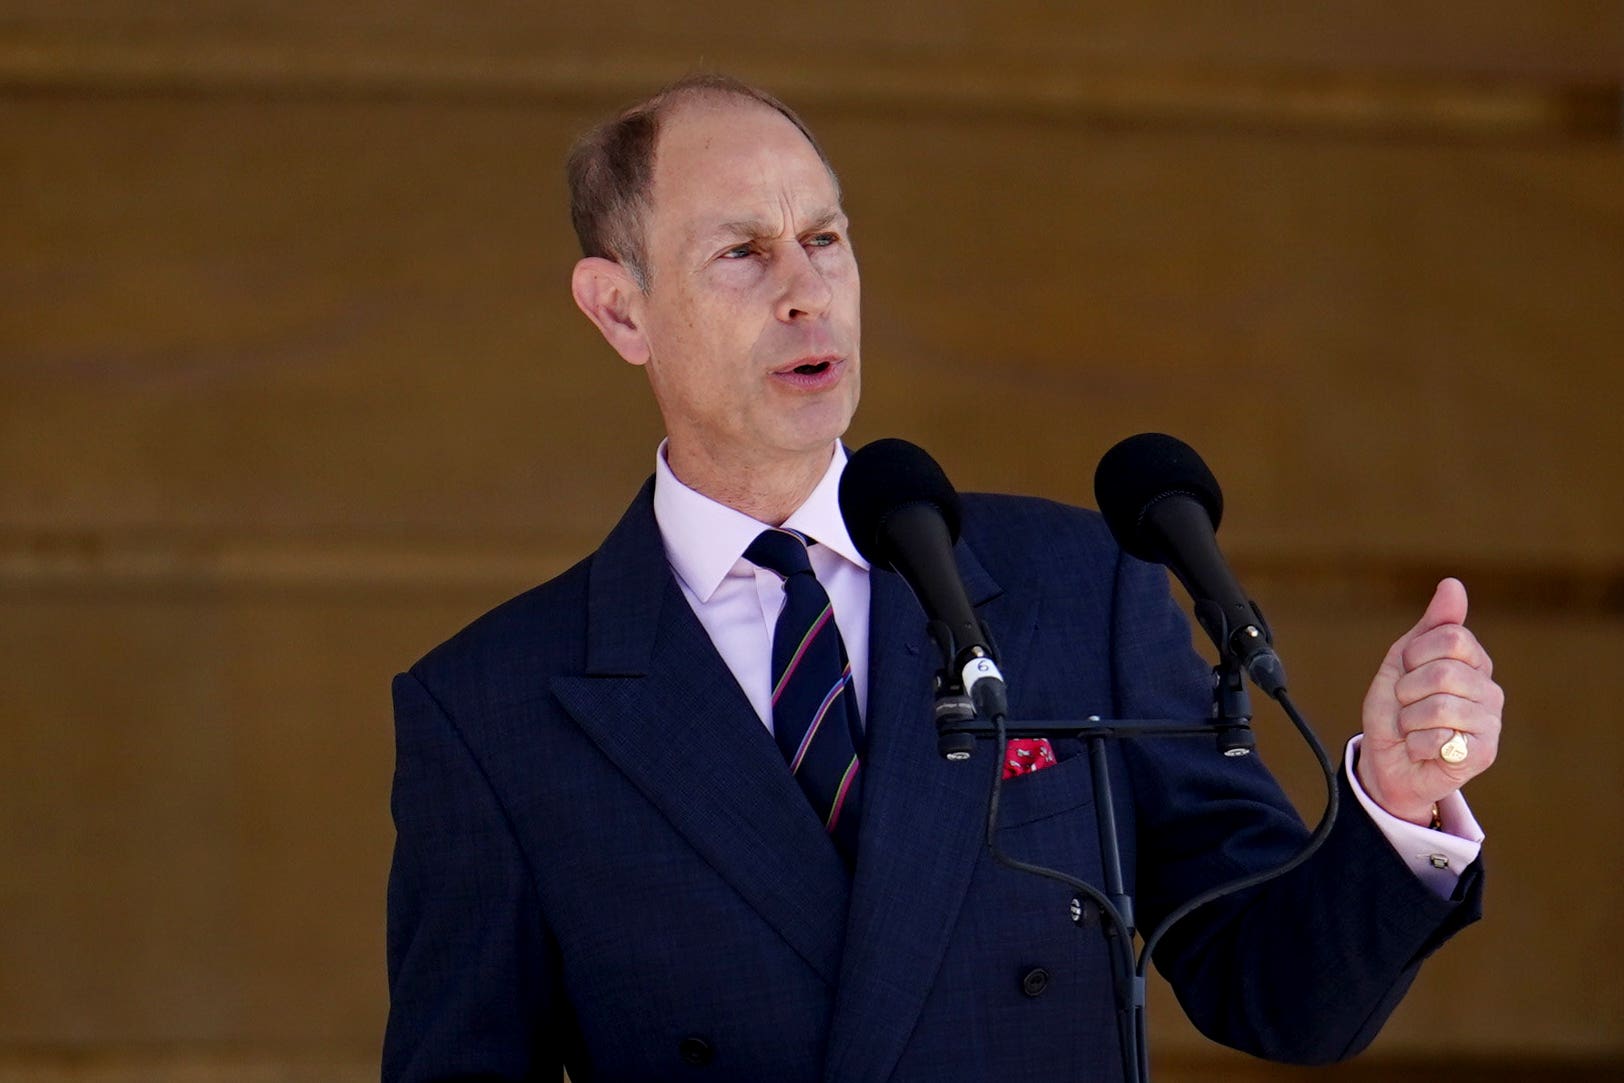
{"type": "Point", "coordinates": [1434, 689]}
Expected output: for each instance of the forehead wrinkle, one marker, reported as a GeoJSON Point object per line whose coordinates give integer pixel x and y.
{"type": "Point", "coordinates": [772, 173]}
{"type": "Point", "coordinates": [760, 227]}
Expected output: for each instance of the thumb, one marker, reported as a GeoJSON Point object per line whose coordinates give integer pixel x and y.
{"type": "Point", "coordinates": [1448, 606]}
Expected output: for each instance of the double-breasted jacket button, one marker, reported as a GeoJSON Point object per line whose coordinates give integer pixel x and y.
{"type": "Point", "coordinates": [695, 1051]}
{"type": "Point", "coordinates": [1035, 981]}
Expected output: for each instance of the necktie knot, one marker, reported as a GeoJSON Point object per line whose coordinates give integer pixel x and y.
{"type": "Point", "coordinates": [781, 551]}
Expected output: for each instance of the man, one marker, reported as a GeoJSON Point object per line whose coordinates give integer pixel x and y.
{"type": "Point", "coordinates": [609, 854]}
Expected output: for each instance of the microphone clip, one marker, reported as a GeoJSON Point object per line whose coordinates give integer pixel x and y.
{"type": "Point", "coordinates": [1232, 709]}
{"type": "Point", "coordinates": [1243, 638]}
{"type": "Point", "coordinates": [969, 686]}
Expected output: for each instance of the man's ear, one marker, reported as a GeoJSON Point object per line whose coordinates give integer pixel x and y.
{"type": "Point", "coordinates": [607, 293]}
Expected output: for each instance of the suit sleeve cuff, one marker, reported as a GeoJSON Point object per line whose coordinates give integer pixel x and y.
{"type": "Point", "coordinates": [1437, 858]}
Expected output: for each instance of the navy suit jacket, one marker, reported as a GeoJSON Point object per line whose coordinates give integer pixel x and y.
{"type": "Point", "coordinates": [602, 861]}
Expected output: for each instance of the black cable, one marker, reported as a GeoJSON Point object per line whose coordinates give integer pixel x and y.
{"type": "Point", "coordinates": [1321, 831]}
{"type": "Point", "coordinates": [1118, 934]}
{"type": "Point", "coordinates": [1132, 1031]}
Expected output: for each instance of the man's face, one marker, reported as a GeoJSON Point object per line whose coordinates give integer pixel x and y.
{"type": "Point", "coordinates": [751, 317]}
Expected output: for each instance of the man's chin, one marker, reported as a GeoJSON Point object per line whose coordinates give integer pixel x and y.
{"type": "Point", "coordinates": [825, 435]}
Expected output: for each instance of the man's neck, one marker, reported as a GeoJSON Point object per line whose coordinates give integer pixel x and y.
{"type": "Point", "coordinates": [767, 492]}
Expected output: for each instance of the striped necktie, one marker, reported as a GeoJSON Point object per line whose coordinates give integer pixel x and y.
{"type": "Point", "coordinates": [815, 717]}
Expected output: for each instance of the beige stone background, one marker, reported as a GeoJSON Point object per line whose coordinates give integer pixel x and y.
{"type": "Point", "coordinates": [291, 387]}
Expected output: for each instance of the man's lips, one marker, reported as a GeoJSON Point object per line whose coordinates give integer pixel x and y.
{"type": "Point", "coordinates": [812, 373]}
{"type": "Point", "coordinates": [806, 366]}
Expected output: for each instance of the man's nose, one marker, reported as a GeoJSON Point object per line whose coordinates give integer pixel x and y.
{"type": "Point", "coordinates": [804, 292]}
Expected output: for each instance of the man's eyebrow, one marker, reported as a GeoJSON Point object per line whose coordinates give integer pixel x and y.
{"type": "Point", "coordinates": [825, 219]}
{"type": "Point", "coordinates": [756, 227]}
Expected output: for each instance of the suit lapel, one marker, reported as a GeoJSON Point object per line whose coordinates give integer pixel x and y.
{"type": "Point", "coordinates": [922, 832]}
{"type": "Point", "coordinates": [662, 705]}
{"type": "Point", "coordinates": [660, 702]}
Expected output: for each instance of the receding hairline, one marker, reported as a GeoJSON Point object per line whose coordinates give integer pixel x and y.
{"type": "Point", "coordinates": [686, 99]}
{"type": "Point", "coordinates": [721, 223]}
{"type": "Point", "coordinates": [611, 168]}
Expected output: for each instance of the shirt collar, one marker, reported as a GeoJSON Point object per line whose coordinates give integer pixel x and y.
{"type": "Point", "coordinates": [704, 539]}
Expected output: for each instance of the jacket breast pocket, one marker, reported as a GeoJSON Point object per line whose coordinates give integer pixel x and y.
{"type": "Point", "coordinates": [1052, 791]}
{"type": "Point", "coordinates": [1048, 818]}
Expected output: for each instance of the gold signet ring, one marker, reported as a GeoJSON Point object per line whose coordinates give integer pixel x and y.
{"type": "Point", "coordinates": [1454, 750]}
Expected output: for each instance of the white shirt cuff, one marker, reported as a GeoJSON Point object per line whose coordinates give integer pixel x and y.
{"type": "Point", "coordinates": [1436, 857]}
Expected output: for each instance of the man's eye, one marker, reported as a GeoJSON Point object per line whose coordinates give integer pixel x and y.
{"type": "Point", "coordinates": [823, 240]}
{"type": "Point", "coordinates": [738, 251]}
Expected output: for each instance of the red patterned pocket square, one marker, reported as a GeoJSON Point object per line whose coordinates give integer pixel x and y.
{"type": "Point", "coordinates": [1027, 754]}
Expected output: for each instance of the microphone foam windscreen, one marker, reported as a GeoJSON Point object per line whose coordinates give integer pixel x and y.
{"type": "Point", "coordinates": [881, 479]}
{"type": "Point", "coordinates": [1142, 470]}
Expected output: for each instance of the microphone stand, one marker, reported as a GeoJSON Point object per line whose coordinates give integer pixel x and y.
{"type": "Point", "coordinates": [960, 726]}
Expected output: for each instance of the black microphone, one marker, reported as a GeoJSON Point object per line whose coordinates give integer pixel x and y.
{"type": "Point", "coordinates": [903, 516]}
{"type": "Point", "coordinates": [1163, 505]}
